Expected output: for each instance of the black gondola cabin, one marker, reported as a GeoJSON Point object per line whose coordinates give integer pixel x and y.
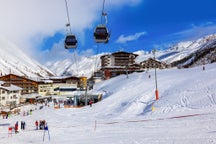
{"type": "Point", "coordinates": [101, 34]}
{"type": "Point", "coordinates": [70, 41]}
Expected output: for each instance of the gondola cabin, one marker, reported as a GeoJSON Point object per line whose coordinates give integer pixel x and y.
{"type": "Point", "coordinates": [70, 41]}
{"type": "Point", "coordinates": [101, 34]}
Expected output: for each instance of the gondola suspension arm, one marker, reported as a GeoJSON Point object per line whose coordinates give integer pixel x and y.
{"type": "Point", "coordinates": [104, 14]}
{"type": "Point", "coordinates": [68, 17]}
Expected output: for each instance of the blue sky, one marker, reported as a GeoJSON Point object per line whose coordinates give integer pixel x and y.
{"type": "Point", "coordinates": [153, 24]}
{"type": "Point", "coordinates": [162, 22]}
{"type": "Point", "coordinates": [134, 24]}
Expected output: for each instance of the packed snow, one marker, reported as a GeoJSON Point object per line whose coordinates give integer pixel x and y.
{"type": "Point", "coordinates": [129, 114]}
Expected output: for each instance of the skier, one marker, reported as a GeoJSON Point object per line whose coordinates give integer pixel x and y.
{"type": "Point", "coordinates": [90, 103]}
{"type": "Point", "coordinates": [30, 112]}
{"type": "Point", "coordinates": [46, 129]}
{"type": "Point", "coordinates": [36, 124]}
{"type": "Point", "coordinates": [203, 68]}
{"type": "Point", "coordinates": [23, 125]}
{"type": "Point", "coordinates": [16, 127]}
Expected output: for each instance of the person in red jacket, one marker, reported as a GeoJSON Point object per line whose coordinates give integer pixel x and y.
{"type": "Point", "coordinates": [36, 124]}
{"type": "Point", "coordinates": [16, 128]}
{"type": "Point", "coordinates": [91, 102]}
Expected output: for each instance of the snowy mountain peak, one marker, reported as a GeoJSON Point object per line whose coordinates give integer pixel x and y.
{"type": "Point", "coordinates": [87, 65]}
{"type": "Point", "coordinates": [193, 44]}
{"type": "Point", "coordinates": [13, 60]}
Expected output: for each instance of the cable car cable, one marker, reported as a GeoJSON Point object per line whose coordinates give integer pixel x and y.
{"type": "Point", "coordinates": [101, 33]}
{"type": "Point", "coordinates": [68, 17]}
{"type": "Point", "coordinates": [70, 40]}
{"type": "Point", "coordinates": [103, 14]}
{"type": "Point", "coordinates": [96, 57]}
{"type": "Point", "coordinates": [75, 58]}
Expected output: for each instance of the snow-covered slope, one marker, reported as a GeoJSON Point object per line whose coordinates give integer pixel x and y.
{"type": "Point", "coordinates": [178, 90]}
{"type": "Point", "coordinates": [82, 66]}
{"type": "Point", "coordinates": [180, 50]}
{"type": "Point", "coordinates": [128, 114]}
{"type": "Point", "coordinates": [13, 60]}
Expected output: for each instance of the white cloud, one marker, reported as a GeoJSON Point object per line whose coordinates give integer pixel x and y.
{"type": "Point", "coordinates": [123, 2]}
{"type": "Point", "coordinates": [28, 22]}
{"type": "Point", "coordinates": [125, 39]}
{"type": "Point", "coordinates": [196, 31]}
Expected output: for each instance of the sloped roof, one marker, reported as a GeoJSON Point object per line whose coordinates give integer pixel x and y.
{"type": "Point", "coordinates": [23, 77]}
{"type": "Point", "coordinates": [119, 52]}
{"type": "Point", "coordinates": [123, 52]}
{"type": "Point", "coordinates": [9, 88]}
{"type": "Point", "coordinates": [62, 77]}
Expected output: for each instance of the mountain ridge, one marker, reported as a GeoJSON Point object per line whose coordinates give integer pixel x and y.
{"type": "Point", "coordinates": [13, 60]}
{"type": "Point", "coordinates": [183, 54]}
{"type": "Point", "coordinates": [174, 55]}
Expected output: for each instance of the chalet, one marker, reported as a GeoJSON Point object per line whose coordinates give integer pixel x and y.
{"type": "Point", "coordinates": [67, 84]}
{"type": "Point", "coordinates": [151, 63]}
{"type": "Point", "coordinates": [45, 87]}
{"type": "Point", "coordinates": [28, 85]}
{"type": "Point", "coordinates": [34, 98]}
{"type": "Point", "coordinates": [82, 82]}
{"type": "Point", "coordinates": [59, 85]}
{"type": "Point", "coordinates": [118, 63]}
{"type": "Point", "coordinates": [118, 59]}
{"type": "Point", "coordinates": [65, 79]}
{"type": "Point", "coordinates": [96, 77]}
{"type": "Point", "coordinates": [9, 94]}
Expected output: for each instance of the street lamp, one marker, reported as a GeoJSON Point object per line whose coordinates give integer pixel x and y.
{"type": "Point", "coordinates": [156, 89]}
{"type": "Point", "coordinates": [86, 88]}
{"type": "Point", "coordinates": [126, 70]}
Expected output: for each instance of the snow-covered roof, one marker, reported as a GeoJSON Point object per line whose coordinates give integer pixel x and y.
{"type": "Point", "coordinates": [33, 95]}
{"type": "Point", "coordinates": [10, 87]}
{"type": "Point", "coordinates": [47, 81]}
{"type": "Point", "coordinates": [63, 77]}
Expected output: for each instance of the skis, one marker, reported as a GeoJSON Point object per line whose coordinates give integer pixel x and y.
{"type": "Point", "coordinates": [46, 129]}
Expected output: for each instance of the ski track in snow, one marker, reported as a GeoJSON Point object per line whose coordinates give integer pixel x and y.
{"type": "Point", "coordinates": [184, 114]}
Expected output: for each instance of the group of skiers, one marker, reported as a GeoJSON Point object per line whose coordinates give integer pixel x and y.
{"type": "Point", "coordinates": [40, 125]}
{"type": "Point", "coordinates": [26, 113]}
{"type": "Point", "coordinates": [16, 126]}
{"type": "Point", "coordinates": [5, 116]}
